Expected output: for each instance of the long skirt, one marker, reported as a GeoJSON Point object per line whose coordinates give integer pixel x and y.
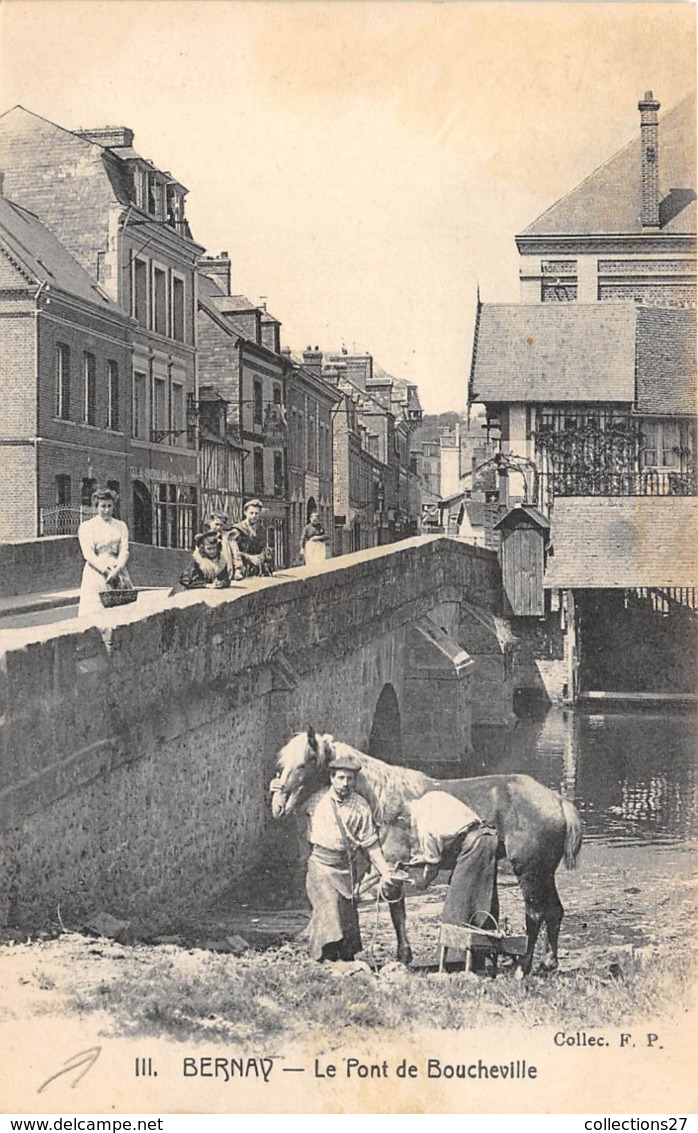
{"type": "Point", "coordinates": [334, 920]}
{"type": "Point", "coordinates": [315, 552]}
{"type": "Point", "coordinates": [472, 892]}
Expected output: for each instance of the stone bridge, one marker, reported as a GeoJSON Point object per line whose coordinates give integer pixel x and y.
{"type": "Point", "coordinates": [135, 755]}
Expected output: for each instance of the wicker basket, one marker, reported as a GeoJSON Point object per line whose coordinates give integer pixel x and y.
{"type": "Point", "coordinates": [111, 598]}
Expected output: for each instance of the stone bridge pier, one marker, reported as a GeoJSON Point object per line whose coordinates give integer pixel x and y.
{"type": "Point", "coordinates": [135, 755]}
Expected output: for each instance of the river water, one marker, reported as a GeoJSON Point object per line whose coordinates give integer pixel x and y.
{"type": "Point", "coordinates": [632, 776]}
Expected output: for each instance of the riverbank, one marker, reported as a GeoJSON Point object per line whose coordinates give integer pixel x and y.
{"type": "Point", "coordinates": [627, 954]}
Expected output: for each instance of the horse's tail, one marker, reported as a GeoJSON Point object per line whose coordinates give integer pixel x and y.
{"type": "Point", "coordinates": [573, 833]}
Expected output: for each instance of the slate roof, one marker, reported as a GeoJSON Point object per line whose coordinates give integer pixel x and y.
{"type": "Point", "coordinates": [608, 200]}
{"type": "Point", "coordinates": [624, 542]}
{"type": "Point", "coordinates": [666, 361]}
{"type": "Point", "coordinates": [41, 257]}
{"type": "Point", "coordinates": [554, 352]}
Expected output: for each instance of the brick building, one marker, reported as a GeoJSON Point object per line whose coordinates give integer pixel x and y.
{"type": "Point", "coordinates": [311, 405]}
{"type": "Point", "coordinates": [387, 412]}
{"type": "Point", "coordinates": [238, 357]}
{"type": "Point", "coordinates": [65, 367]}
{"type": "Point", "coordinates": [123, 220]}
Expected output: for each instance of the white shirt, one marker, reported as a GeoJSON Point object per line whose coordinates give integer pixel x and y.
{"type": "Point", "coordinates": [355, 813]}
{"type": "Point", "coordinates": [438, 818]}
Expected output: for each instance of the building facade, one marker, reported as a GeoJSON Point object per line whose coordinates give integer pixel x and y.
{"type": "Point", "coordinates": [65, 363]}
{"type": "Point", "coordinates": [590, 384]}
{"type": "Point", "coordinates": [238, 357]}
{"type": "Point", "coordinates": [311, 405]}
{"type": "Point", "coordinates": [123, 220]}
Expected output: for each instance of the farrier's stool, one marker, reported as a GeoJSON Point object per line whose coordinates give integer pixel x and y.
{"type": "Point", "coordinates": [471, 939]}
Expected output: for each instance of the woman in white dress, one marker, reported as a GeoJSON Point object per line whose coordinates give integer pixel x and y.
{"type": "Point", "coordinates": [104, 545]}
{"type": "Point", "coordinates": [313, 541]}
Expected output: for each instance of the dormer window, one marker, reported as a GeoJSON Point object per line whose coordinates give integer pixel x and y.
{"type": "Point", "coordinates": [175, 207]}
{"type": "Point", "coordinates": [153, 203]}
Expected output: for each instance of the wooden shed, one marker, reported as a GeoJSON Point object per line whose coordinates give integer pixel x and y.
{"type": "Point", "coordinates": [525, 535]}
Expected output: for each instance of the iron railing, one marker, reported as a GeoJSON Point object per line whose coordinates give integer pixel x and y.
{"type": "Point", "coordinates": [62, 520]}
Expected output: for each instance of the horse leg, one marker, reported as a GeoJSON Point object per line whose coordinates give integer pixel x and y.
{"type": "Point", "coordinates": [554, 913]}
{"type": "Point", "coordinates": [398, 916]}
{"type": "Point", "coordinates": [534, 908]}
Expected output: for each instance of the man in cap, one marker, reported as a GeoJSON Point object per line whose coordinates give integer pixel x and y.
{"type": "Point", "coordinates": [248, 544]}
{"type": "Point", "coordinates": [340, 825]}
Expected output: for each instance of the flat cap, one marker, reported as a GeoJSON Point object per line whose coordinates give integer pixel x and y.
{"type": "Point", "coordinates": [345, 763]}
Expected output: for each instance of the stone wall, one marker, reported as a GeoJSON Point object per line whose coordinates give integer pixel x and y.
{"type": "Point", "coordinates": [135, 756]}
{"type": "Point", "coordinates": [32, 566]}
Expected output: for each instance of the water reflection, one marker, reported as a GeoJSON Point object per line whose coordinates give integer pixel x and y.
{"type": "Point", "coordinates": [632, 776]}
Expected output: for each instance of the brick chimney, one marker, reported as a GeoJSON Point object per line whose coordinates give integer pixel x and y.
{"type": "Point", "coordinates": [217, 268]}
{"type": "Point", "coordinates": [312, 359]}
{"type": "Point", "coordinates": [111, 137]}
{"type": "Point", "coordinates": [649, 160]}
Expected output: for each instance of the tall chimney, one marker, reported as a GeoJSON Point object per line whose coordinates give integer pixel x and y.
{"type": "Point", "coordinates": [649, 161]}
{"type": "Point", "coordinates": [312, 359]}
{"type": "Point", "coordinates": [217, 268]}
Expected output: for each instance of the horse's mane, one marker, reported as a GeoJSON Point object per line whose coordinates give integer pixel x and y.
{"type": "Point", "coordinates": [384, 786]}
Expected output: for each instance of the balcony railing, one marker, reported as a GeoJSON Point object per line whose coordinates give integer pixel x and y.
{"type": "Point", "coordinates": [597, 482]}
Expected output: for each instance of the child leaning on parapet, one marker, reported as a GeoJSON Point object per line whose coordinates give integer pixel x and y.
{"type": "Point", "coordinates": [210, 567]}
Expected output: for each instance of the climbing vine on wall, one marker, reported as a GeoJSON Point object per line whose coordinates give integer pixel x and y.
{"type": "Point", "coordinates": [592, 458]}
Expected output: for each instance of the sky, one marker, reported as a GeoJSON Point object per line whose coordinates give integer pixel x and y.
{"type": "Point", "coordinates": [365, 164]}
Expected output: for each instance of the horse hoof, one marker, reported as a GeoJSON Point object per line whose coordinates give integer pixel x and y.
{"type": "Point", "coordinates": [405, 957]}
{"type": "Point", "coordinates": [550, 965]}
{"type": "Point", "coordinates": [518, 973]}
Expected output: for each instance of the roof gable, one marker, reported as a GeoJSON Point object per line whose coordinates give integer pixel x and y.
{"type": "Point", "coordinates": [608, 201]}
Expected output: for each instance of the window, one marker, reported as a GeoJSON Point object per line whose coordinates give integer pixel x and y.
{"type": "Point", "coordinates": [159, 301]}
{"type": "Point", "coordinates": [373, 444]}
{"type": "Point", "coordinates": [139, 405]}
{"type": "Point", "coordinates": [175, 515]}
{"type": "Point", "coordinates": [258, 403]}
{"type": "Point", "coordinates": [89, 388]}
{"type": "Point", "coordinates": [154, 198]}
{"type": "Point", "coordinates": [159, 422]}
{"type": "Point", "coordinates": [115, 487]}
{"type": "Point", "coordinates": [276, 395]}
{"type": "Point", "coordinates": [178, 308]}
{"type": "Point", "coordinates": [62, 490]}
{"type": "Point", "coordinates": [312, 444]}
{"type": "Point", "coordinates": [258, 472]}
{"type": "Point", "coordinates": [62, 381]}
{"type": "Point", "coordinates": [175, 207]}
{"type": "Point", "coordinates": [660, 444]}
{"type": "Point", "coordinates": [140, 292]}
{"type": "Point", "coordinates": [178, 420]}
{"type": "Point", "coordinates": [88, 487]}
{"type": "Point", "coordinates": [112, 395]}
{"type": "Point", "coordinates": [278, 474]}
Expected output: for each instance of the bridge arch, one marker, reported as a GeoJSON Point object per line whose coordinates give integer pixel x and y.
{"type": "Point", "coordinates": [385, 741]}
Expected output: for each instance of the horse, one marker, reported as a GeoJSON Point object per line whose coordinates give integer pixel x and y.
{"type": "Point", "coordinates": [537, 827]}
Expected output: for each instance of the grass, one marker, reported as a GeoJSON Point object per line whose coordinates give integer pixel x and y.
{"type": "Point", "coordinates": [281, 995]}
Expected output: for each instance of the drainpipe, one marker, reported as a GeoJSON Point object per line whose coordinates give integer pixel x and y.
{"type": "Point", "coordinates": [37, 378]}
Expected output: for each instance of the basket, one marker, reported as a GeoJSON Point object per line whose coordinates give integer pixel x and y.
{"type": "Point", "coordinates": [111, 598]}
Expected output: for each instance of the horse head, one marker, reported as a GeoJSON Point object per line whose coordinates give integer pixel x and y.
{"type": "Point", "coordinates": [302, 769]}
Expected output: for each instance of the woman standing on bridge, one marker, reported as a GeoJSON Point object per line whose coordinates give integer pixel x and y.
{"type": "Point", "coordinates": [104, 545]}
